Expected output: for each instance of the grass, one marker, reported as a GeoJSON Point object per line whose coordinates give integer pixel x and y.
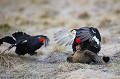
{"type": "Point", "coordinates": [115, 1]}
{"type": "Point", "coordinates": [22, 21]}
{"type": "Point", "coordinates": [40, 2]}
{"type": "Point", "coordinates": [104, 39]}
{"type": "Point", "coordinates": [84, 15]}
{"type": "Point", "coordinates": [8, 61]}
{"type": "Point", "coordinates": [117, 11]}
{"type": "Point", "coordinates": [5, 27]}
{"type": "Point", "coordinates": [4, 61]}
{"type": "Point", "coordinates": [57, 48]}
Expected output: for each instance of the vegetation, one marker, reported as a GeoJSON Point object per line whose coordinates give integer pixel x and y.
{"type": "Point", "coordinates": [5, 27]}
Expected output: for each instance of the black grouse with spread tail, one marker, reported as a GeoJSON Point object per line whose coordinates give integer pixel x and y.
{"type": "Point", "coordinates": [25, 43]}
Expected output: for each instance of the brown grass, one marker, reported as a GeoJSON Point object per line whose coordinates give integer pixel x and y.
{"type": "Point", "coordinates": [115, 77]}
{"type": "Point", "coordinates": [104, 39]}
{"type": "Point", "coordinates": [5, 27]}
{"type": "Point", "coordinates": [84, 15]}
{"type": "Point", "coordinates": [57, 48]}
{"type": "Point", "coordinates": [40, 2]}
{"type": "Point", "coordinates": [117, 11]}
{"type": "Point", "coordinates": [4, 61]}
{"type": "Point", "coordinates": [21, 20]}
{"type": "Point", "coordinates": [8, 61]}
{"type": "Point", "coordinates": [105, 22]}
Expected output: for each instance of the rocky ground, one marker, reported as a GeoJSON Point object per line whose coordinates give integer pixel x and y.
{"type": "Point", "coordinates": [50, 16]}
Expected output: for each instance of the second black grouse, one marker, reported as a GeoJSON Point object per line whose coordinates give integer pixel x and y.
{"type": "Point", "coordinates": [25, 43]}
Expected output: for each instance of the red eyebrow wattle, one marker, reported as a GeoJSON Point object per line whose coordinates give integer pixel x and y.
{"type": "Point", "coordinates": [78, 40]}
{"type": "Point", "coordinates": [41, 39]}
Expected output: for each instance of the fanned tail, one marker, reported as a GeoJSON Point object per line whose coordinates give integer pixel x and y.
{"type": "Point", "coordinates": [7, 39]}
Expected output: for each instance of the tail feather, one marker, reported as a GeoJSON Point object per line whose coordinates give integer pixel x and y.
{"type": "Point", "coordinates": [7, 39]}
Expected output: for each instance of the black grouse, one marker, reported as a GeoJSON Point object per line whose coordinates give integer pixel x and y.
{"type": "Point", "coordinates": [25, 43]}
{"type": "Point", "coordinates": [89, 38]}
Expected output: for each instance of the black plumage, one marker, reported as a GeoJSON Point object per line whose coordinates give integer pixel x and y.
{"type": "Point", "coordinates": [25, 43]}
{"type": "Point", "coordinates": [88, 37]}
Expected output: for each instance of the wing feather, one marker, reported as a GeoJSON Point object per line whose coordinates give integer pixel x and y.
{"type": "Point", "coordinates": [67, 37]}
{"type": "Point", "coordinates": [64, 37]}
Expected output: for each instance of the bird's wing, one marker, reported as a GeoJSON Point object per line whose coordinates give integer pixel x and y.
{"type": "Point", "coordinates": [20, 35]}
{"type": "Point", "coordinates": [64, 37]}
{"type": "Point", "coordinates": [22, 41]}
{"type": "Point", "coordinates": [7, 39]}
{"type": "Point", "coordinates": [84, 34]}
{"type": "Point", "coordinates": [46, 40]}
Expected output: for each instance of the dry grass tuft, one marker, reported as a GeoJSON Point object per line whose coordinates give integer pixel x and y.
{"type": "Point", "coordinates": [4, 61]}
{"type": "Point", "coordinates": [21, 9]}
{"type": "Point", "coordinates": [40, 2]}
{"type": "Point", "coordinates": [4, 27]}
{"type": "Point", "coordinates": [84, 15]}
{"type": "Point", "coordinates": [117, 11]}
{"type": "Point", "coordinates": [105, 22]}
{"type": "Point", "coordinates": [57, 48]}
{"type": "Point", "coordinates": [74, 25]}
{"type": "Point", "coordinates": [48, 14]}
{"type": "Point", "coordinates": [61, 21]}
{"type": "Point", "coordinates": [104, 39]}
{"type": "Point", "coordinates": [115, 77]}
{"type": "Point", "coordinates": [21, 21]}
{"type": "Point", "coordinates": [118, 30]}
{"type": "Point", "coordinates": [115, 1]}
{"type": "Point", "coordinates": [7, 61]}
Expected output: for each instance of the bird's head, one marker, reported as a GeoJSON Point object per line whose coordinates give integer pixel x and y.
{"type": "Point", "coordinates": [77, 40]}
{"type": "Point", "coordinates": [41, 40]}
{"type": "Point", "coordinates": [44, 40]}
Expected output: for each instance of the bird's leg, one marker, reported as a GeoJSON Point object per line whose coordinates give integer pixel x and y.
{"type": "Point", "coordinates": [8, 49]}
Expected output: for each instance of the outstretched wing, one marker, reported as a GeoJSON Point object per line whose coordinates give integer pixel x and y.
{"type": "Point", "coordinates": [84, 33]}
{"type": "Point", "coordinates": [65, 37]}
{"type": "Point", "coordinates": [46, 40]}
{"type": "Point", "coordinates": [20, 35]}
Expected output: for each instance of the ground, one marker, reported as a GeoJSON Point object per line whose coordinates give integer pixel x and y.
{"type": "Point", "coordinates": [47, 17]}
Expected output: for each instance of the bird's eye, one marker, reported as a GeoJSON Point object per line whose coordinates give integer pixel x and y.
{"type": "Point", "coordinates": [41, 40]}
{"type": "Point", "coordinates": [78, 40]}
